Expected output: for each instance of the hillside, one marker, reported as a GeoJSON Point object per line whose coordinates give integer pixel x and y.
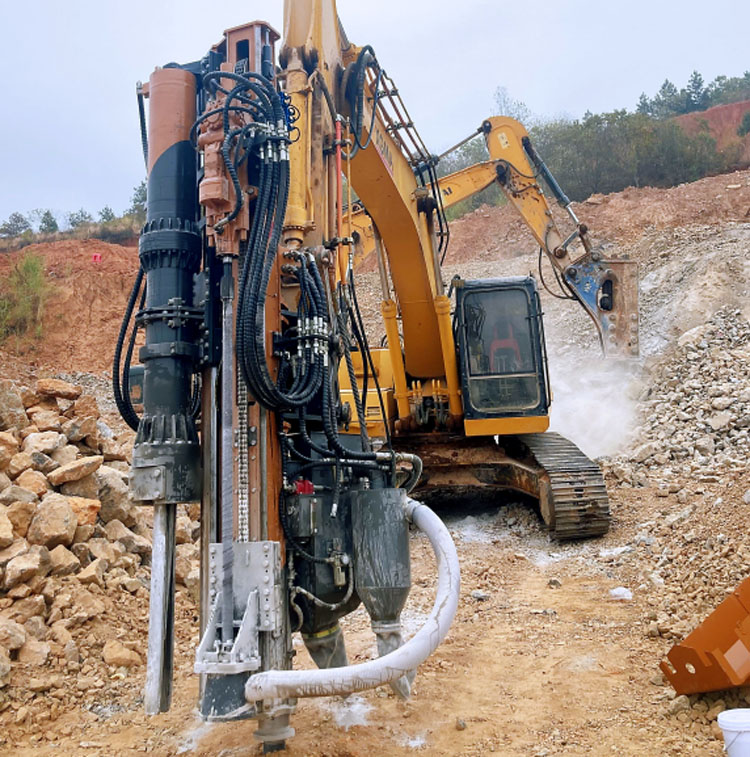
{"type": "Point", "coordinates": [721, 122]}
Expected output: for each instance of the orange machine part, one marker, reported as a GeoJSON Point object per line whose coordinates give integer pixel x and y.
{"type": "Point", "coordinates": [716, 655]}
{"type": "Point", "coordinates": [171, 94]}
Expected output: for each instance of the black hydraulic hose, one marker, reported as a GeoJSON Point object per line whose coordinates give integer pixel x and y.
{"type": "Point", "coordinates": [129, 353]}
{"type": "Point", "coordinates": [365, 441]}
{"type": "Point", "coordinates": [306, 436]}
{"type": "Point", "coordinates": [217, 111]}
{"type": "Point", "coordinates": [327, 95]}
{"type": "Point", "coordinates": [349, 463]}
{"type": "Point", "coordinates": [232, 171]}
{"type": "Point", "coordinates": [266, 102]}
{"type": "Point", "coordinates": [329, 425]}
{"type": "Point", "coordinates": [374, 113]}
{"type": "Point", "coordinates": [142, 120]}
{"type": "Point", "coordinates": [125, 407]}
{"type": "Point", "coordinates": [361, 326]}
{"type": "Point", "coordinates": [444, 228]}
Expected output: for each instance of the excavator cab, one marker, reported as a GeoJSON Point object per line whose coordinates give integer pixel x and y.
{"type": "Point", "coordinates": [501, 350]}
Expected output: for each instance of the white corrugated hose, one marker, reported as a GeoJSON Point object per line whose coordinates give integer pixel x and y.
{"type": "Point", "coordinates": [281, 684]}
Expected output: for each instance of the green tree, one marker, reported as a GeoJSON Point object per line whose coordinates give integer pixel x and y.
{"type": "Point", "coordinates": [607, 152]}
{"type": "Point", "coordinates": [667, 102]}
{"type": "Point", "coordinates": [723, 90]}
{"type": "Point", "coordinates": [106, 214]}
{"type": "Point", "coordinates": [79, 218]}
{"type": "Point", "coordinates": [138, 202]}
{"type": "Point", "coordinates": [48, 223]}
{"type": "Point", "coordinates": [16, 225]}
{"type": "Point", "coordinates": [744, 127]}
{"type": "Point", "coordinates": [645, 106]}
{"type": "Point", "coordinates": [696, 93]}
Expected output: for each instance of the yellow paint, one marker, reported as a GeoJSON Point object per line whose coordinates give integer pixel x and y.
{"type": "Point", "coordinates": [388, 309]}
{"type": "Point", "coordinates": [533, 424]}
{"type": "Point", "coordinates": [523, 191]}
{"type": "Point", "coordinates": [448, 346]}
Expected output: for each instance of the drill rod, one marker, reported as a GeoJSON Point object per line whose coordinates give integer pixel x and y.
{"type": "Point", "coordinates": [227, 454]}
{"type": "Point", "coordinates": [159, 663]}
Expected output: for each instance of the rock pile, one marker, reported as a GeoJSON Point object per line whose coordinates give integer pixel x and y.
{"type": "Point", "coordinates": [70, 534]}
{"type": "Point", "coordinates": [696, 412]}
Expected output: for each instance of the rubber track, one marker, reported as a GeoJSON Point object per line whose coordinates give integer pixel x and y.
{"type": "Point", "coordinates": [579, 496]}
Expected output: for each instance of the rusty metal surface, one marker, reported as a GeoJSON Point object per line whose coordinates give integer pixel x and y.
{"type": "Point", "coordinates": [568, 485]}
{"type": "Point", "coordinates": [716, 655]}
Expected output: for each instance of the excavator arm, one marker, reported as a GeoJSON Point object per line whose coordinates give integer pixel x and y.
{"type": "Point", "coordinates": [606, 289]}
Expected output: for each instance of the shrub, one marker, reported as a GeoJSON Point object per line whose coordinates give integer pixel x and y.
{"type": "Point", "coordinates": [22, 298]}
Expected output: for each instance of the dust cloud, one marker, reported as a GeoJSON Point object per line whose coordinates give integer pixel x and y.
{"type": "Point", "coordinates": [594, 402]}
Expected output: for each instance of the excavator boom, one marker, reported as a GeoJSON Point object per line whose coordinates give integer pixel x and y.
{"type": "Point", "coordinates": [607, 289]}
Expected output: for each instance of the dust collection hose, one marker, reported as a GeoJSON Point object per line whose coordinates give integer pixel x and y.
{"type": "Point", "coordinates": [280, 684]}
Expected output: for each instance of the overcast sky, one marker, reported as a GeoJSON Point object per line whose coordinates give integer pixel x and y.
{"type": "Point", "coordinates": [69, 132]}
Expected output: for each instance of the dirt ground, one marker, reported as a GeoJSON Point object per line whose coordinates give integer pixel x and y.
{"type": "Point", "coordinates": [541, 659]}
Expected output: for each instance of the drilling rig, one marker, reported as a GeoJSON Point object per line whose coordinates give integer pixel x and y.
{"type": "Point", "coordinates": [261, 397]}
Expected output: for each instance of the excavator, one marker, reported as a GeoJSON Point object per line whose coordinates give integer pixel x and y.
{"type": "Point", "coordinates": [262, 398]}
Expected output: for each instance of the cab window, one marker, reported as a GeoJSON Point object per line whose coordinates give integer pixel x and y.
{"type": "Point", "coordinates": [500, 356]}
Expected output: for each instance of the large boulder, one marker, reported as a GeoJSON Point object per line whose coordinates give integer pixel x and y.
{"type": "Point", "coordinates": [9, 442]}
{"type": "Point", "coordinates": [58, 388]}
{"type": "Point", "coordinates": [116, 654]}
{"type": "Point", "coordinates": [12, 411]}
{"type": "Point", "coordinates": [76, 470]}
{"type": "Point", "coordinates": [6, 528]}
{"type": "Point", "coordinates": [43, 463]}
{"type": "Point", "coordinates": [20, 462]}
{"type": "Point", "coordinates": [12, 634]}
{"type": "Point", "coordinates": [20, 515]}
{"type": "Point", "coordinates": [115, 497]}
{"type": "Point", "coordinates": [87, 487]}
{"type": "Point", "coordinates": [47, 420]}
{"type": "Point", "coordinates": [94, 573]}
{"type": "Point", "coordinates": [14, 493]}
{"type": "Point", "coordinates": [21, 569]}
{"type": "Point", "coordinates": [24, 609]}
{"type": "Point", "coordinates": [19, 547]}
{"type": "Point", "coordinates": [85, 509]}
{"type": "Point", "coordinates": [77, 429]}
{"type": "Point", "coordinates": [34, 481]}
{"type": "Point", "coordinates": [34, 652]}
{"type": "Point", "coordinates": [86, 407]}
{"type": "Point", "coordinates": [65, 454]}
{"type": "Point", "coordinates": [53, 523]}
{"type": "Point", "coordinates": [44, 441]}
{"type": "Point", "coordinates": [117, 531]}
{"type": "Point", "coordinates": [63, 561]}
